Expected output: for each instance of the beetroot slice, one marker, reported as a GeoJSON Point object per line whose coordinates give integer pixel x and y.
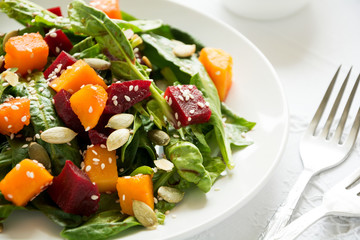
{"type": "Point", "coordinates": [97, 137]}
{"type": "Point", "coordinates": [122, 96]}
{"type": "Point", "coordinates": [63, 61]}
{"type": "Point", "coordinates": [57, 42]}
{"type": "Point", "coordinates": [73, 191]}
{"type": "Point", "coordinates": [188, 105]}
{"type": "Point", "coordinates": [65, 112]}
{"type": "Point", "coordinates": [55, 10]}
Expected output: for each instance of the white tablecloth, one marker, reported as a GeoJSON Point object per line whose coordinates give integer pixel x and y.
{"type": "Point", "coordinates": [305, 50]}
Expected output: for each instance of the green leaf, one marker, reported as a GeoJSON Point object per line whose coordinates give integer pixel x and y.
{"type": "Point", "coordinates": [142, 170]}
{"type": "Point", "coordinates": [103, 225]}
{"type": "Point", "coordinates": [6, 208]}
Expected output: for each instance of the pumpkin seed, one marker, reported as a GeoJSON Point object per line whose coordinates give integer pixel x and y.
{"type": "Point", "coordinates": [159, 137]}
{"type": "Point", "coordinates": [8, 36]}
{"type": "Point", "coordinates": [171, 195]}
{"type": "Point", "coordinates": [144, 214]}
{"type": "Point", "coordinates": [184, 50]}
{"type": "Point", "coordinates": [119, 121]}
{"type": "Point", "coordinates": [11, 77]}
{"type": "Point", "coordinates": [38, 152]}
{"type": "Point", "coordinates": [164, 164]}
{"type": "Point", "coordinates": [58, 135]}
{"type": "Point", "coordinates": [97, 63]}
{"type": "Point", "coordinates": [117, 138]}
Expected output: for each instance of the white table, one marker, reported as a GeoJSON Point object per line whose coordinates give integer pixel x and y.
{"type": "Point", "coordinates": [305, 50]}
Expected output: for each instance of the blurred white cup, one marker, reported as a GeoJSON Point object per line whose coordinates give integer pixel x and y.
{"type": "Point", "coordinates": [265, 9]}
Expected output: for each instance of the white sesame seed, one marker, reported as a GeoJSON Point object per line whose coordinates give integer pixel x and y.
{"type": "Point", "coordinates": [170, 101]}
{"type": "Point", "coordinates": [87, 129]}
{"type": "Point", "coordinates": [123, 197]}
{"type": "Point", "coordinates": [176, 116]}
{"type": "Point", "coordinates": [102, 145]}
{"type": "Point", "coordinates": [166, 98]}
{"type": "Point", "coordinates": [110, 160]}
{"type": "Point", "coordinates": [114, 98]}
{"type": "Point", "coordinates": [94, 88]}
{"type": "Point", "coordinates": [176, 136]}
{"type": "Point", "coordinates": [57, 49]}
{"type": "Point", "coordinates": [25, 146]}
{"type": "Point", "coordinates": [10, 196]}
{"type": "Point", "coordinates": [127, 98]}
{"type": "Point", "coordinates": [190, 86]}
{"type": "Point", "coordinates": [82, 165]}
{"type": "Point", "coordinates": [30, 174]}
{"type": "Point", "coordinates": [192, 111]}
{"type": "Point", "coordinates": [94, 152]}
{"type": "Point", "coordinates": [207, 104]}
{"type": "Point", "coordinates": [14, 107]}
{"type": "Point", "coordinates": [218, 73]}
{"type": "Point", "coordinates": [179, 123]}
{"type": "Point", "coordinates": [94, 197]}
{"type": "Point", "coordinates": [136, 88]}
{"type": "Point", "coordinates": [53, 85]}
{"type": "Point", "coordinates": [88, 168]}
{"type": "Point", "coordinates": [9, 126]}
{"type": "Point", "coordinates": [181, 98]}
{"type": "Point", "coordinates": [131, 87]}
{"type": "Point", "coordinates": [115, 102]}
{"type": "Point", "coordinates": [102, 166]}
{"type": "Point", "coordinates": [6, 119]}
{"type": "Point", "coordinates": [23, 119]}
{"type": "Point", "coordinates": [17, 167]}
{"type": "Point", "coordinates": [200, 104]}
{"type": "Point", "coordinates": [189, 119]}
{"type": "Point", "coordinates": [90, 109]}
{"type": "Point", "coordinates": [96, 160]}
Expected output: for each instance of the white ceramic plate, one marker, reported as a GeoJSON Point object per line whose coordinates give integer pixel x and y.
{"type": "Point", "coordinates": [256, 95]}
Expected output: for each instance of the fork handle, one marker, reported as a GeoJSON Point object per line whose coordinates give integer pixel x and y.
{"type": "Point", "coordinates": [284, 212]}
{"type": "Point", "coordinates": [299, 225]}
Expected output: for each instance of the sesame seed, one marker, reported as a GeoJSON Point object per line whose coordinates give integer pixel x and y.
{"type": "Point", "coordinates": [102, 166]}
{"type": "Point", "coordinates": [37, 136]}
{"type": "Point", "coordinates": [136, 88]}
{"type": "Point", "coordinates": [53, 85]}
{"type": "Point", "coordinates": [23, 119]}
{"type": "Point", "coordinates": [110, 160]}
{"type": "Point", "coordinates": [9, 126]}
{"type": "Point", "coordinates": [10, 196]}
{"type": "Point", "coordinates": [96, 160]}
{"type": "Point", "coordinates": [57, 49]}
{"type": "Point", "coordinates": [123, 197]}
{"type": "Point", "coordinates": [200, 104]}
{"type": "Point", "coordinates": [170, 101]}
{"type": "Point", "coordinates": [114, 98]}
{"type": "Point", "coordinates": [6, 119]}
{"type": "Point", "coordinates": [179, 123]}
{"type": "Point", "coordinates": [127, 98]}
{"type": "Point", "coordinates": [181, 98]}
{"type": "Point", "coordinates": [17, 167]}
{"type": "Point", "coordinates": [25, 146]}
{"type": "Point", "coordinates": [94, 197]}
{"type": "Point", "coordinates": [94, 152]}
{"type": "Point", "coordinates": [28, 49]}
{"type": "Point", "coordinates": [131, 87]}
{"type": "Point", "coordinates": [94, 88]}
{"type": "Point", "coordinates": [30, 174]}
{"type": "Point", "coordinates": [189, 119]}
{"type": "Point", "coordinates": [87, 129]}
{"type": "Point", "coordinates": [207, 104]}
{"type": "Point", "coordinates": [82, 165]}
{"type": "Point", "coordinates": [102, 145]}
{"type": "Point", "coordinates": [14, 107]}
{"type": "Point", "coordinates": [115, 102]}
{"type": "Point", "coordinates": [166, 98]}
{"type": "Point", "coordinates": [88, 168]}
{"type": "Point", "coordinates": [90, 109]}
{"type": "Point", "coordinates": [192, 111]}
{"type": "Point", "coordinates": [176, 116]}
{"type": "Point", "coordinates": [190, 86]}
{"type": "Point", "coordinates": [176, 136]}
{"type": "Point", "coordinates": [53, 35]}
{"type": "Point", "coordinates": [218, 73]}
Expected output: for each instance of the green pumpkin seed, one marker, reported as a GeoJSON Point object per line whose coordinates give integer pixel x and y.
{"type": "Point", "coordinates": [39, 153]}
{"type": "Point", "coordinates": [159, 137]}
{"type": "Point", "coordinates": [144, 214]}
{"type": "Point", "coordinates": [171, 195]}
{"type": "Point", "coordinates": [119, 121]}
{"type": "Point", "coordinates": [8, 36]}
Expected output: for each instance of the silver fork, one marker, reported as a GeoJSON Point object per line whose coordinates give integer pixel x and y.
{"type": "Point", "coordinates": [341, 200]}
{"type": "Point", "coordinates": [318, 152]}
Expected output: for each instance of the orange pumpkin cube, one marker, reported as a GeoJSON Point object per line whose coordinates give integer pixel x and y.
{"type": "Point", "coordinates": [88, 104]}
{"type": "Point", "coordinates": [139, 187]}
{"type": "Point", "coordinates": [14, 115]}
{"type": "Point", "coordinates": [109, 7]}
{"type": "Point", "coordinates": [76, 76]}
{"type": "Point", "coordinates": [218, 65]}
{"type": "Point", "coordinates": [27, 53]}
{"type": "Point", "coordinates": [100, 166]}
{"type": "Point", "coordinates": [24, 182]}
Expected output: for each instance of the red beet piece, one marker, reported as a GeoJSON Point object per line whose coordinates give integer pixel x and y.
{"type": "Point", "coordinates": [188, 104]}
{"type": "Point", "coordinates": [122, 96]}
{"type": "Point", "coordinates": [65, 112]}
{"type": "Point", "coordinates": [73, 191]}
{"type": "Point", "coordinates": [58, 41]}
{"type": "Point", "coordinates": [55, 10]}
{"type": "Point", "coordinates": [97, 137]}
{"type": "Point", "coordinates": [62, 61]}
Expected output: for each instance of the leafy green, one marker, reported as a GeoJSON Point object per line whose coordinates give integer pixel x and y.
{"type": "Point", "coordinates": [6, 208]}
{"type": "Point", "coordinates": [43, 116]}
{"type": "Point", "coordinates": [142, 170]}
{"type": "Point", "coordinates": [125, 152]}
{"type": "Point", "coordinates": [101, 226]}
{"type": "Point", "coordinates": [19, 150]}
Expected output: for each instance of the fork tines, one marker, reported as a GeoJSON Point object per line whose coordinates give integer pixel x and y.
{"type": "Point", "coordinates": [325, 133]}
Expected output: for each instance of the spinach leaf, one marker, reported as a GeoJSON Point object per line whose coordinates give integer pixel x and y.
{"type": "Point", "coordinates": [19, 150]}
{"type": "Point", "coordinates": [130, 152]}
{"type": "Point", "coordinates": [43, 116]}
{"type": "Point", "coordinates": [25, 11]}
{"type": "Point", "coordinates": [142, 170]}
{"type": "Point", "coordinates": [115, 45]}
{"type": "Point", "coordinates": [155, 111]}
{"type": "Point", "coordinates": [108, 202]}
{"type": "Point", "coordinates": [44, 204]}
{"type": "Point", "coordinates": [5, 161]}
{"type": "Point", "coordinates": [101, 226]}
{"type": "Point", "coordinates": [139, 25]}
{"type": "Point", "coordinates": [189, 164]}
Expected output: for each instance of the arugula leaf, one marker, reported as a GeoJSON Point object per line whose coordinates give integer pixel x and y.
{"type": "Point", "coordinates": [101, 226]}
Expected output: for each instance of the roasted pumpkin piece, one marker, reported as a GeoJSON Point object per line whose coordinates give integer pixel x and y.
{"type": "Point", "coordinates": [27, 53]}
{"type": "Point", "coordinates": [79, 74]}
{"type": "Point", "coordinates": [14, 115]}
{"type": "Point", "coordinates": [139, 187]}
{"type": "Point", "coordinates": [218, 65]}
{"type": "Point", "coordinates": [100, 166]}
{"type": "Point", "coordinates": [109, 7]}
{"type": "Point", "coordinates": [88, 104]}
{"type": "Point", "coordinates": [24, 182]}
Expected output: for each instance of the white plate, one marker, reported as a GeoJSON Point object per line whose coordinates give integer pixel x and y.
{"type": "Point", "coordinates": [256, 95]}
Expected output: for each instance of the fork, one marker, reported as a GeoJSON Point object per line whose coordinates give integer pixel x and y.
{"type": "Point", "coordinates": [318, 151]}
{"type": "Point", "coordinates": [341, 200]}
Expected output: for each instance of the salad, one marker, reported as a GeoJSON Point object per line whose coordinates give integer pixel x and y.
{"type": "Point", "coordinates": [107, 120]}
